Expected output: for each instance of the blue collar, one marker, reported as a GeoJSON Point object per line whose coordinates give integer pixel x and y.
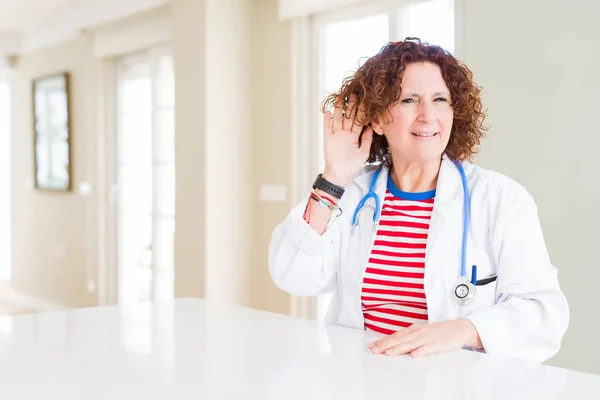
{"type": "Point", "coordinates": [414, 196]}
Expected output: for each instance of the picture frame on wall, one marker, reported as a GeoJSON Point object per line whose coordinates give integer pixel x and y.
{"type": "Point", "coordinates": [52, 132]}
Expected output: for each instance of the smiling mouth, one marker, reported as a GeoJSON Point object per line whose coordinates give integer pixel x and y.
{"type": "Point", "coordinates": [424, 135]}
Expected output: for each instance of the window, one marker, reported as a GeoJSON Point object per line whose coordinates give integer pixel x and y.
{"type": "Point", "coordinates": [5, 179]}
{"type": "Point", "coordinates": [342, 40]}
{"type": "Point", "coordinates": [145, 176]}
{"type": "Point", "coordinates": [343, 46]}
{"type": "Point", "coordinates": [432, 21]}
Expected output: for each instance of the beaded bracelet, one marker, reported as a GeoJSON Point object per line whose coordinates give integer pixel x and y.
{"type": "Point", "coordinates": [325, 202]}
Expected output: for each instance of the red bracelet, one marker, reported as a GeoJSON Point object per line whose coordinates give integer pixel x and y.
{"type": "Point", "coordinates": [330, 200]}
{"type": "Point", "coordinates": [324, 202]}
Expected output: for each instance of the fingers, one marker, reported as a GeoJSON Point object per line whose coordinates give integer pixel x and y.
{"type": "Point", "coordinates": [326, 123]}
{"type": "Point", "coordinates": [351, 107]}
{"type": "Point", "coordinates": [381, 345]}
{"type": "Point", "coordinates": [426, 350]}
{"type": "Point", "coordinates": [337, 116]}
{"type": "Point", "coordinates": [358, 114]}
{"type": "Point", "coordinates": [349, 121]}
{"type": "Point", "coordinates": [421, 340]}
{"type": "Point", "coordinates": [345, 114]}
{"type": "Point", "coordinates": [407, 346]}
{"type": "Point", "coordinates": [367, 140]}
{"type": "Point", "coordinates": [392, 341]}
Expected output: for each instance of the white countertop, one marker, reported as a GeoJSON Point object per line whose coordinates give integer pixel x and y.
{"type": "Point", "coordinates": [191, 349]}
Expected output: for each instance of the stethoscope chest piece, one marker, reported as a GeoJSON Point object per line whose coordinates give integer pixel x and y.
{"type": "Point", "coordinates": [464, 293]}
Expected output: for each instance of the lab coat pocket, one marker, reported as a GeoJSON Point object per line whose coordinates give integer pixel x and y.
{"type": "Point", "coordinates": [486, 295]}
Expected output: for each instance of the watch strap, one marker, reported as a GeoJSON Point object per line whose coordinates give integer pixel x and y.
{"type": "Point", "coordinates": [328, 187]}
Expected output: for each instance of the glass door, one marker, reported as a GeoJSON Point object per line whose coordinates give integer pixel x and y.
{"type": "Point", "coordinates": [145, 176]}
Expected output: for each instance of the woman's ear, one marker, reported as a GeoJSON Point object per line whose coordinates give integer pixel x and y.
{"type": "Point", "coordinates": [378, 129]}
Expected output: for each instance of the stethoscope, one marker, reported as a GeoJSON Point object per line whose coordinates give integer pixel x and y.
{"type": "Point", "coordinates": [465, 290]}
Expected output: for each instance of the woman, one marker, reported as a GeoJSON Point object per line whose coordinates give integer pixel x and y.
{"type": "Point", "coordinates": [397, 149]}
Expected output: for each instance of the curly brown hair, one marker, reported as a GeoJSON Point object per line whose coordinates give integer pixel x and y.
{"type": "Point", "coordinates": [377, 85]}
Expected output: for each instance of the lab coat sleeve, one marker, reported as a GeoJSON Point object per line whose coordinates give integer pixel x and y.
{"type": "Point", "coordinates": [302, 262]}
{"type": "Point", "coordinates": [531, 315]}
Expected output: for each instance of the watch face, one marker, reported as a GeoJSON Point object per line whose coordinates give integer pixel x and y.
{"type": "Point", "coordinates": [461, 291]}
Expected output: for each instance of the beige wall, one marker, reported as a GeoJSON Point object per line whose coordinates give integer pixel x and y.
{"type": "Point", "coordinates": [537, 62]}
{"type": "Point", "coordinates": [53, 233]}
{"type": "Point", "coordinates": [190, 149]}
{"type": "Point", "coordinates": [272, 99]}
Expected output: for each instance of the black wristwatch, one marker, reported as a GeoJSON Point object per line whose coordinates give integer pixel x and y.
{"type": "Point", "coordinates": [328, 187]}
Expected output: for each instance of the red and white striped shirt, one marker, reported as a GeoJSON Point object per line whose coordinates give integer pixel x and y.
{"type": "Point", "coordinates": [393, 295]}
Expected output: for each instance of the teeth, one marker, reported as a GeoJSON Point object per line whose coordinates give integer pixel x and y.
{"type": "Point", "coordinates": [423, 134]}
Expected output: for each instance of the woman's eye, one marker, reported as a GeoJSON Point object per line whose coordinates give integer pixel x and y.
{"type": "Point", "coordinates": [438, 99]}
{"type": "Point", "coordinates": [409, 101]}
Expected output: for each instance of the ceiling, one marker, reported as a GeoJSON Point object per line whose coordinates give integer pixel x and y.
{"type": "Point", "coordinates": [28, 25]}
{"type": "Point", "coordinates": [20, 15]}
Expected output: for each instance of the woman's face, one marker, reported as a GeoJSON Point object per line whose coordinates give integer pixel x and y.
{"type": "Point", "coordinates": [419, 129]}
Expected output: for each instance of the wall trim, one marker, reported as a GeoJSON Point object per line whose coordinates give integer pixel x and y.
{"type": "Point", "coordinates": [289, 9]}
{"type": "Point", "coordinates": [121, 39]}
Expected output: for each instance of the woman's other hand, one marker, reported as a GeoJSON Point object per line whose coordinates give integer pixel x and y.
{"type": "Point", "coordinates": [343, 156]}
{"type": "Point", "coordinates": [420, 340]}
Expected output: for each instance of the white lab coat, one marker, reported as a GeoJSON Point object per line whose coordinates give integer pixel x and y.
{"type": "Point", "coordinates": [523, 314]}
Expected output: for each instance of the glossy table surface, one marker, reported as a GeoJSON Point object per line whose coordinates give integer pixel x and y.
{"type": "Point", "coordinates": [193, 349]}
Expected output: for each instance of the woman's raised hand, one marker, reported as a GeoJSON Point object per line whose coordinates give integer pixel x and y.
{"type": "Point", "coordinates": [343, 156]}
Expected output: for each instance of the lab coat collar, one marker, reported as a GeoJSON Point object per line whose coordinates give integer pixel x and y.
{"type": "Point", "coordinates": [449, 185]}
{"type": "Point", "coordinates": [365, 177]}
{"type": "Point", "coordinates": [448, 197]}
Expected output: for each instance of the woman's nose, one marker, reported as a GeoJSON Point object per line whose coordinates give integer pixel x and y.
{"type": "Point", "coordinates": [427, 111]}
